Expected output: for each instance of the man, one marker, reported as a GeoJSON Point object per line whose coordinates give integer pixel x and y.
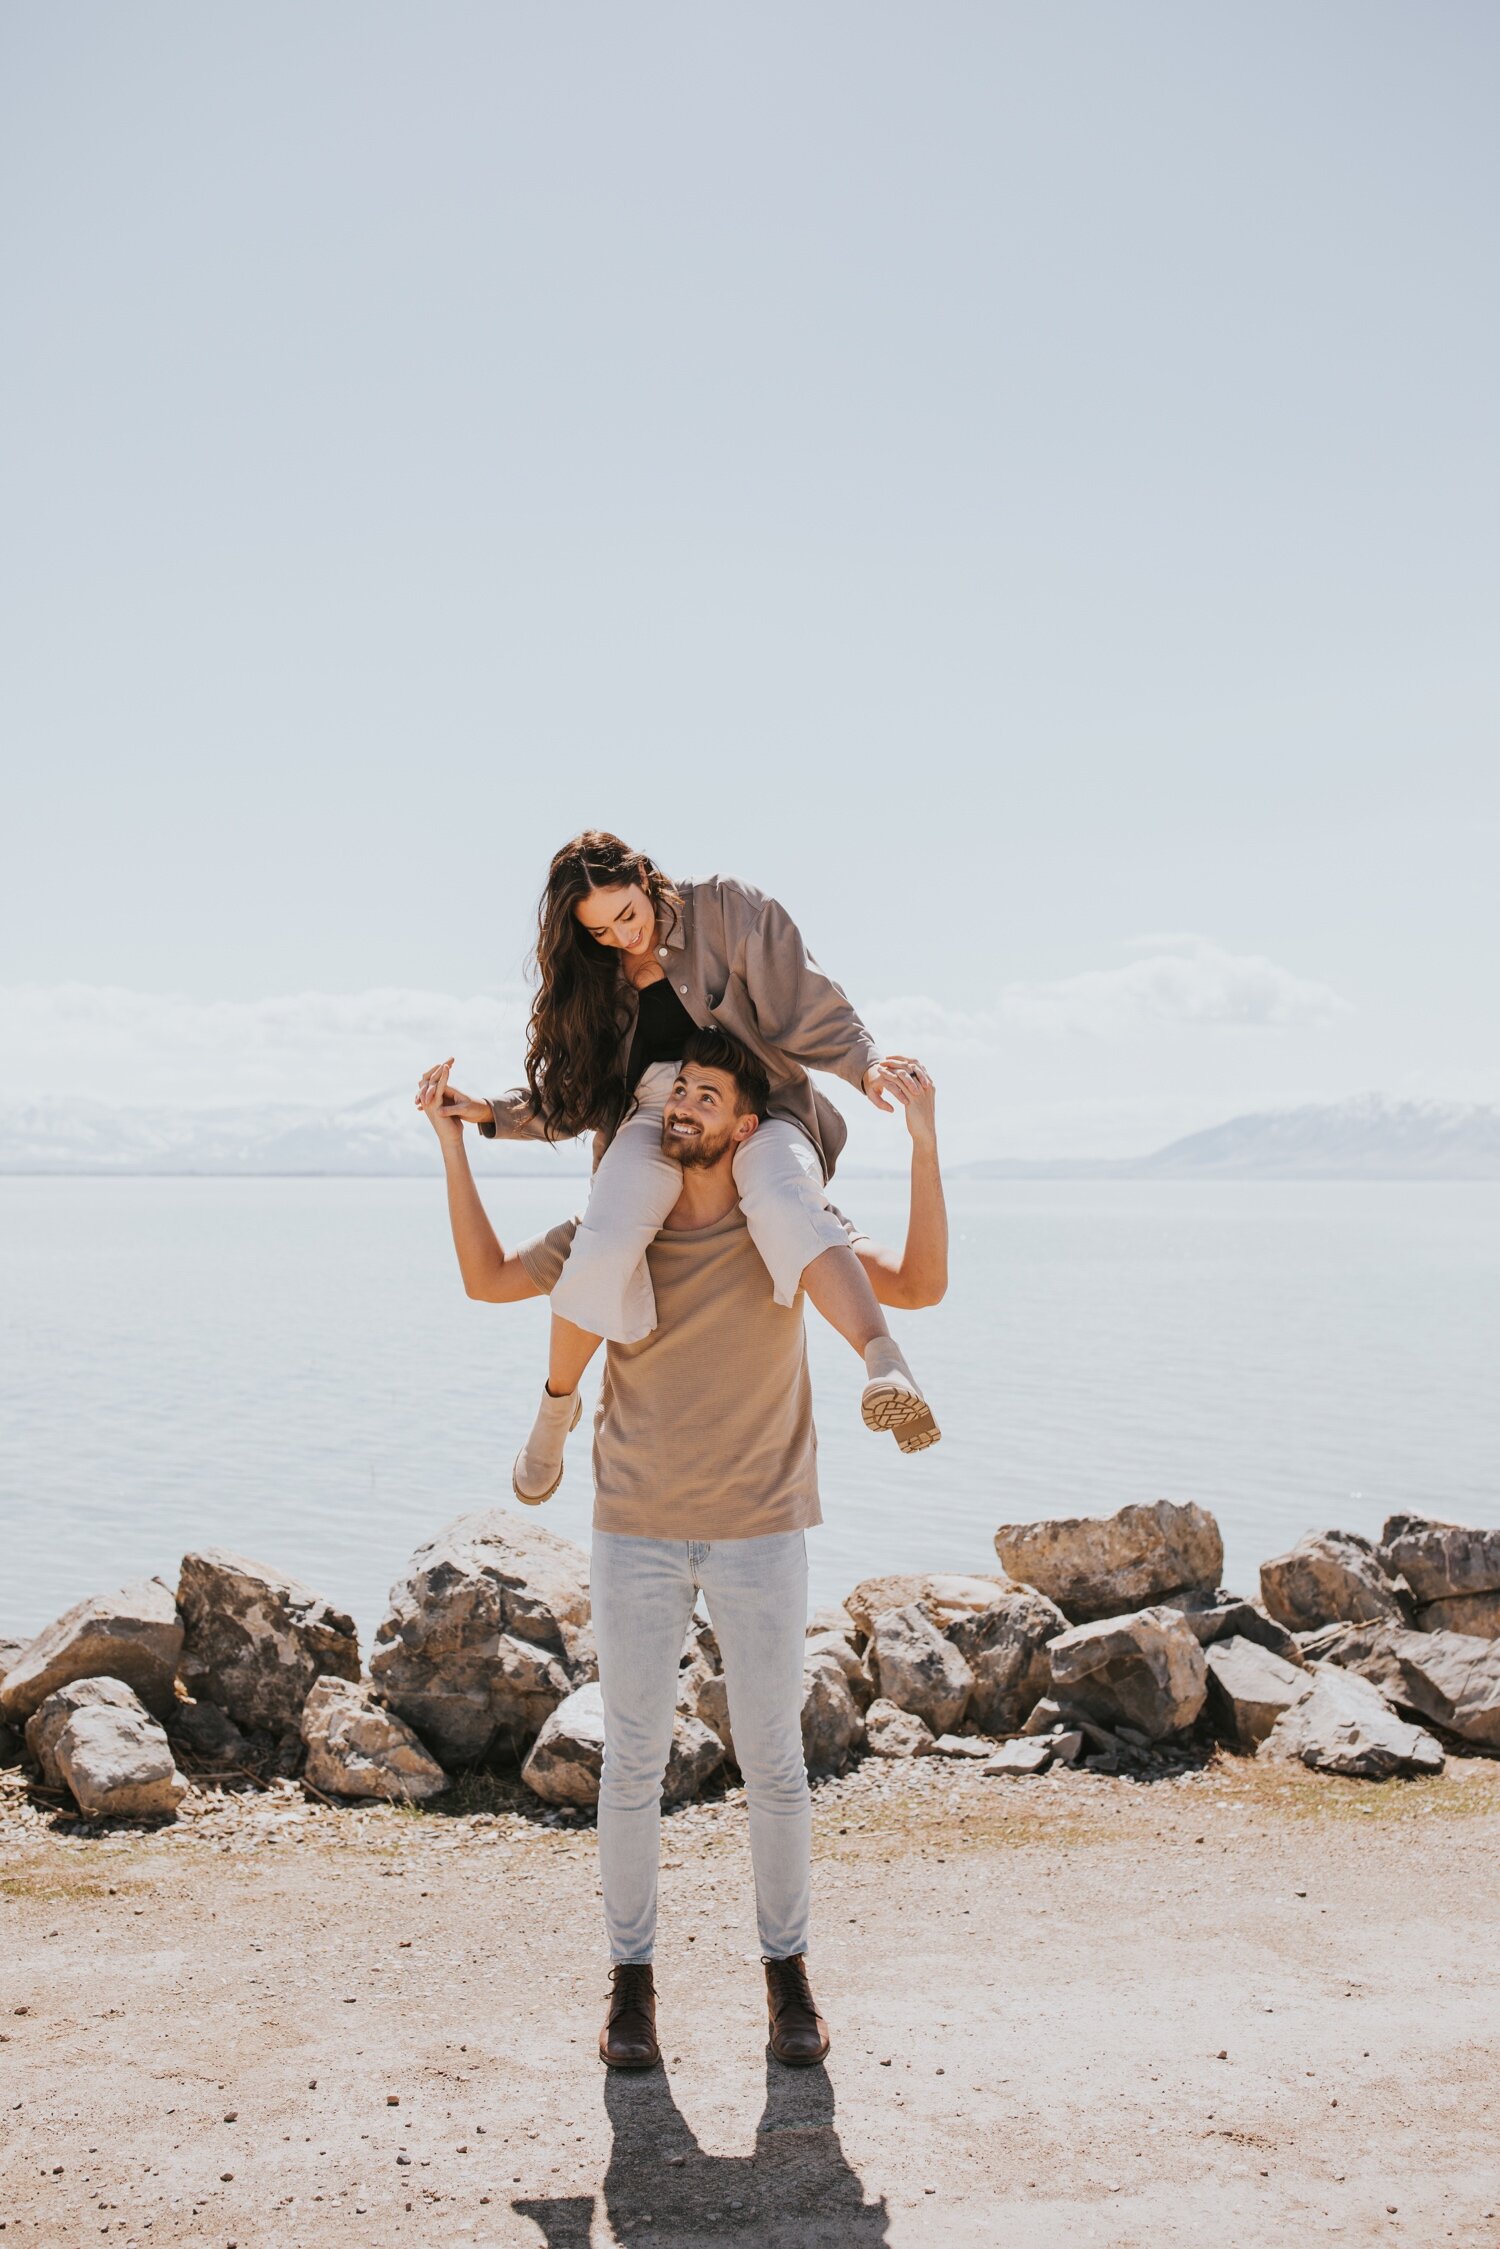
{"type": "Point", "coordinates": [705, 1479]}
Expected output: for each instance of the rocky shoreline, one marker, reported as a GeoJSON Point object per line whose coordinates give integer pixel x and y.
{"type": "Point", "coordinates": [1102, 1644]}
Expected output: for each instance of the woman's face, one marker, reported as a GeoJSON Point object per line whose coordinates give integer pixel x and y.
{"type": "Point", "coordinates": [624, 920]}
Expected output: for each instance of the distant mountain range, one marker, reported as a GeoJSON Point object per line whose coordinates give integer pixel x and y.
{"type": "Point", "coordinates": [381, 1137]}
{"type": "Point", "coordinates": [1367, 1137]}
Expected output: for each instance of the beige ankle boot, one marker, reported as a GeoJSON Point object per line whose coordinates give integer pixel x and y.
{"type": "Point", "coordinates": [539, 1463]}
{"type": "Point", "coordinates": [892, 1399]}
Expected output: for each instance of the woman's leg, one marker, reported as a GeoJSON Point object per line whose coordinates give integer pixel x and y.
{"type": "Point", "coordinates": [569, 1351]}
{"type": "Point", "coordinates": [804, 1244]}
{"type": "Point", "coordinates": [840, 1287]}
{"type": "Point", "coordinates": [605, 1287]}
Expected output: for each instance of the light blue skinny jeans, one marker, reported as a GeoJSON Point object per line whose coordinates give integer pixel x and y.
{"type": "Point", "coordinates": [643, 1591]}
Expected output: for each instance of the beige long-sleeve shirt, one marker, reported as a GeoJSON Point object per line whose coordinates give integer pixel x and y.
{"type": "Point", "coordinates": [736, 959]}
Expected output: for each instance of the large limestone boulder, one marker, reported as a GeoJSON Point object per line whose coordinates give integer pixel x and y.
{"type": "Point", "coordinates": [913, 1666]}
{"type": "Point", "coordinates": [711, 1708]}
{"type": "Point", "coordinates": [479, 1640]}
{"type": "Point", "coordinates": [1476, 1614]}
{"type": "Point", "coordinates": [1450, 1678]}
{"type": "Point", "coordinates": [1329, 1577]}
{"type": "Point", "coordinates": [10, 1737]}
{"type": "Point", "coordinates": [255, 1640]}
{"type": "Point", "coordinates": [1145, 1671]}
{"type": "Point", "coordinates": [47, 1721]}
{"type": "Point", "coordinates": [355, 1747]}
{"type": "Point", "coordinates": [567, 1757]}
{"type": "Point", "coordinates": [116, 1760]}
{"type": "Point", "coordinates": [696, 1753]}
{"type": "Point", "coordinates": [201, 1730]}
{"type": "Point", "coordinates": [946, 1595]}
{"type": "Point", "coordinates": [840, 1645]}
{"type": "Point", "coordinates": [891, 1731]}
{"type": "Point", "coordinates": [832, 1726]}
{"type": "Point", "coordinates": [1109, 1565]}
{"type": "Point", "coordinates": [1250, 1688]}
{"type": "Point", "coordinates": [1224, 1616]}
{"type": "Point", "coordinates": [1005, 1646]}
{"type": "Point", "coordinates": [832, 1716]}
{"type": "Point", "coordinates": [134, 1635]}
{"type": "Point", "coordinates": [1345, 1725]}
{"type": "Point", "coordinates": [695, 1667]}
{"type": "Point", "coordinates": [1441, 1561]}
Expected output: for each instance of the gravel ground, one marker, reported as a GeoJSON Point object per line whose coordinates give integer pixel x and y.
{"type": "Point", "coordinates": [1234, 2006]}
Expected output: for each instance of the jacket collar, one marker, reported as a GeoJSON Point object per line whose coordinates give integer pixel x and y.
{"type": "Point", "coordinates": [676, 936]}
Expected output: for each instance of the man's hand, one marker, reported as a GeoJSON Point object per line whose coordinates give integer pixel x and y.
{"type": "Point", "coordinates": [446, 1109]}
{"type": "Point", "coordinates": [890, 1075]}
{"type": "Point", "coordinates": [917, 1095]}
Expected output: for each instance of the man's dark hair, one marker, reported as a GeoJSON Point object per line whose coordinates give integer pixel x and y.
{"type": "Point", "coordinates": [716, 1050]}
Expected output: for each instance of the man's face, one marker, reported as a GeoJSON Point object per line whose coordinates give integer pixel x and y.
{"type": "Point", "coordinates": [701, 1122]}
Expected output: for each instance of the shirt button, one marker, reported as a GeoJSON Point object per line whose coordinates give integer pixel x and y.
{"type": "Point", "coordinates": [661, 952]}
{"type": "Point", "coordinates": [682, 987]}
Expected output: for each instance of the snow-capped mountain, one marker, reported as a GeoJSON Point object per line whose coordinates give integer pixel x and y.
{"type": "Point", "coordinates": [1365, 1137]}
{"type": "Point", "coordinates": [382, 1136]}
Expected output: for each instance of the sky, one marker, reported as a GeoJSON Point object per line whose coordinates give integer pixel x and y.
{"type": "Point", "coordinates": [1017, 483]}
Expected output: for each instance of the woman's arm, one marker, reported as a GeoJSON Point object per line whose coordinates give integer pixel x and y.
{"type": "Point", "coordinates": [502, 1116]}
{"type": "Point", "coordinates": [919, 1276]}
{"type": "Point", "coordinates": [797, 1007]}
{"type": "Point", "coordinates": [491, 1273]}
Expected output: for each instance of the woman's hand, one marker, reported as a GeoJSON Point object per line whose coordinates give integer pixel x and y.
{"type": "Point", "coordinates": [446, 1109]}
{"type": "Point", "coordinates": [885, 1076]}
{"type": "Point", "coordinates": [917, 1095]}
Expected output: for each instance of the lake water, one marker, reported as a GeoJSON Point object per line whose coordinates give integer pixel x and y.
{"type": "Point", "coordinates": [290, 1368]}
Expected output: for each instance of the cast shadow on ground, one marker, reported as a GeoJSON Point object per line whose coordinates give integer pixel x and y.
{"type": "Point", "coordinates": [796, 2187]}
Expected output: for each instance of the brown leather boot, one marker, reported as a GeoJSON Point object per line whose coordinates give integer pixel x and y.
{"type": "Point", "coordinates": [628, 2039]}
{"type": "Point", "coordinates": [799, 2035]}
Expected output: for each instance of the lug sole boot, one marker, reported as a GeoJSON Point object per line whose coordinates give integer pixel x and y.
{"type": "Point", "coordinates": [893, 1400]}
{"type": "Point", "coordinates": [628, 2039]}
{"type": "Point", "coordinates": [539, 1464]}
{"type": "Point", "coordinates": [799, 2035]}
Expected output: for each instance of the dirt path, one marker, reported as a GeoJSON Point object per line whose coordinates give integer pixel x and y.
{"type": "Point", "coordinates": [1233, 2008]}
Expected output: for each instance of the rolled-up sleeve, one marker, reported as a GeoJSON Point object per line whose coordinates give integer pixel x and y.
{"type": "Point", "coordinates": [545, 1255]}
{"type": "Point", "coordinates": [798, 1008]}
{"type": "Point", "coordinates": [512, 1117]}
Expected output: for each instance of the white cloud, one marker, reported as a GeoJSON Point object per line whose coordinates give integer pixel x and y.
{"type": "Point", "coordinates": [1186, 983]}
{"type": "Point", "coordinates": [107, 1043]}
{"type": "Point", "coordinates": [104, 1041]}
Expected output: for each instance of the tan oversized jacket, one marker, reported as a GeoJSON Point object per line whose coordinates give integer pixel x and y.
{"type": "Point", "coordinates": [737, 960]}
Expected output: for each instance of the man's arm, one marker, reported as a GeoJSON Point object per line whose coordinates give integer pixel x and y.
{"type": "Point", "coordinates": [919, 1276]}
{"type": "Point", "coordinates": [491, 1273]}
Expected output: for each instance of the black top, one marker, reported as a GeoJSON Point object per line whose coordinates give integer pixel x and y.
{"type": "Point", "coordinates": [661, 1030]}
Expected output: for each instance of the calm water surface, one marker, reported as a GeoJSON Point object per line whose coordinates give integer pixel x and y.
{"type": "Point", "coordinates": [290, 1368]}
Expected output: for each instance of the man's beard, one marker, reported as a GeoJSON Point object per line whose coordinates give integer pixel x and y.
{"type": "Point", "coordinates": [695, 1155]}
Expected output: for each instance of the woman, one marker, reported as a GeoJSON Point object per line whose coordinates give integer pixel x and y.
{"type": "Point", "coordinates": [627, 965]}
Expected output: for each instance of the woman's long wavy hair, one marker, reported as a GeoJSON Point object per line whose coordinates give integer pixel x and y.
{"type": "Point", "coordinates": [573, 1037]}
